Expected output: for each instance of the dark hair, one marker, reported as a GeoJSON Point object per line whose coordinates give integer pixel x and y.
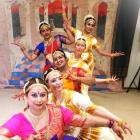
{"type": "Point", "coordinates": [46, 73]}
{"type": "Point", "coordinates": [33, 81]}
{"type": "Point", "coordinates": [44, 23]}
{"type": "Point", "coordinates": [81, 39]}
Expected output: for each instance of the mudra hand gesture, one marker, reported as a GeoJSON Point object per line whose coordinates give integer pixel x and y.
{"type": "Point", "coordinates": [18, 43]}
{"type": "Point", "coordinates": [117, 54]}
{"type": "Point", "coordinates": [112, 79]}
{"type": "Point", "coordinates": [120, 130]}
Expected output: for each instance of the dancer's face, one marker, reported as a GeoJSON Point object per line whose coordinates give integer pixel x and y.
{"type": "Point", "coordinates": [55, 81]}
{"type": "Point", "coordinates": [89, 26]}
{"type": "Point", "coordinates": [59, 60]}
{"type": "Point", "coordinates": [80, 46]}
{"type": "Point", "coordinates": [45, 32]}
{"type": "Point", "coordinates": [37, 98]}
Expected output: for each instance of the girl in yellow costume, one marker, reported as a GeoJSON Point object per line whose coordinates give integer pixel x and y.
{"type": "Point", "coordinates": [91, 41]}
{"type": "Point", "coordinates": [81, 105]}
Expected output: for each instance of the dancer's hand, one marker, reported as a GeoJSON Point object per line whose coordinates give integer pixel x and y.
{"type": "Point", "coordinates": [72, 77]}
{"type": "Point", "coordinates": [117, 54]}
{"type": "Point", "coordinates": [112, 79]}
{"type": "Point", "coordinates": [19, 95]}
{"type": "Point", "coordinates": [125, 127]}
{"type": "Point", "coordinates": [18, 43]}
{"type": "Point", "coordinates": [120, 131]}
{"type": "Point", "coordinates": [64, 3]}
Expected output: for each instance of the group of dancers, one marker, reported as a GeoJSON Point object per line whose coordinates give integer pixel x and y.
{"type": "Point", "coordinates": [58, 105]}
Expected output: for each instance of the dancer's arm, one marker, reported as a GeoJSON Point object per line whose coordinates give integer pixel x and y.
{"type": "Point", "coordinates": [108, 80]}
{"type": "Point", "coordinates": [88, 80]}
{"type": "Point", "coordinates": [5, 134]}
{"type": "Point", "coordinates": [112, 55]}
{"type": "Point", "coordinates": [85, 104]}
{"type": "Point", "coordinates": [94, 121]}
{"type": "Point", "coordinates": [70, 36]}
{"type": "Point", "coordinates": [66, 23]}
{"type": "Point", "coordinates": [2, 137]}
{"type": "Point", "coordinates": [31, 56]}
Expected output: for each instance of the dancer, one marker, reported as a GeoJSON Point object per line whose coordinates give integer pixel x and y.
{"type": "Point", "coordinates": [74, 71]}
{"type": "Point", "coordinates": [43, 121]}
{"type": "Point", "coordinates": [49, 44]}
{"type": "Point", "coordinates": [80, 104]}
{"type": "Point", "coordinates": [91, 41]}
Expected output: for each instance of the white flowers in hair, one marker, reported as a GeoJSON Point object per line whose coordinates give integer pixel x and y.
{"type": "Point", "coordinates": [41, 23]}
{"type": "Point", "coordinates": [24, 88]}
{"type": "Point", "coordinates": [88, 16]}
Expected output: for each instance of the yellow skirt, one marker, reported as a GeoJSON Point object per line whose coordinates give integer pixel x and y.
{"type": "Point", "coordinates": [89, 134]}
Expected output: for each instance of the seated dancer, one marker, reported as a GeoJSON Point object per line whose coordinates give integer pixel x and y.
{"type": "Point", "coordinates": [81, 105]}
{"type": "Point", "coordinates": [43, 121]}
{"type": "Point", "coordinates": [49, 44]}
{"type": "Point", "coordinates": [91, 42]}
{"type": "Point", "coordinates": [75, 72]}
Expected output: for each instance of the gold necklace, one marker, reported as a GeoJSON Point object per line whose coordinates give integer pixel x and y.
{"type": "Point", "coordinates": [86, 35]}
{"type": "Point", "coordinates": [40, 123]}
{"type": "Point", "coordinates": [47, 42]}
{"type": "Point", "coordinates": [34, 119]}
{"type": "Point", "coordinates": [49, 55]}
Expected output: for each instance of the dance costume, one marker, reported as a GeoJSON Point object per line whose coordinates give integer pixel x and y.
{"type": "Point", "coordinates": [58, 117]}
{"type": "Point", "coordinates": [79, 68]}
{"type": "Point", "coordinates": [91, 43]}
{"type": "Point", "coordinates": [80, 105]}
{"type": "Point", "coordinates": [54, 44]}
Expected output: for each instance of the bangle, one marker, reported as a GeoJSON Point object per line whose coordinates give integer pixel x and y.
{"type": "Point", "coordinates": [111, 123]}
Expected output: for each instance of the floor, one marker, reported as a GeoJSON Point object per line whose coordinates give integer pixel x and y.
{"type": "Point", "coordinates": [125, 105]}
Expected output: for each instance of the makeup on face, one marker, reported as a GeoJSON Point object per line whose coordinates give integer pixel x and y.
{"type": "Point", "coordinates": [38, 94]}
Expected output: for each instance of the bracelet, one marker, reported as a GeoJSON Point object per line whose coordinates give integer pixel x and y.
{"type": "Point", "coordinates": [111, 123]}
{"type": "Point", "coordinates": [22, 48]}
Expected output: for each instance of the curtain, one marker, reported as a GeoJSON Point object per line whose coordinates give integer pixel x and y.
{"type": "Point", "coordinates": [125, 28]}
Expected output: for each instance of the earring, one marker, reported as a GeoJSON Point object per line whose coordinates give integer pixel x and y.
{"type": "Point", "coordinates": [26, 104]}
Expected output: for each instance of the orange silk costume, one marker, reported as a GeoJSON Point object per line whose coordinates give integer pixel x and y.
{"type": "Point", "coordinates": [78, 68]}
{"type": "Point", "coordinates": [73, 84]}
